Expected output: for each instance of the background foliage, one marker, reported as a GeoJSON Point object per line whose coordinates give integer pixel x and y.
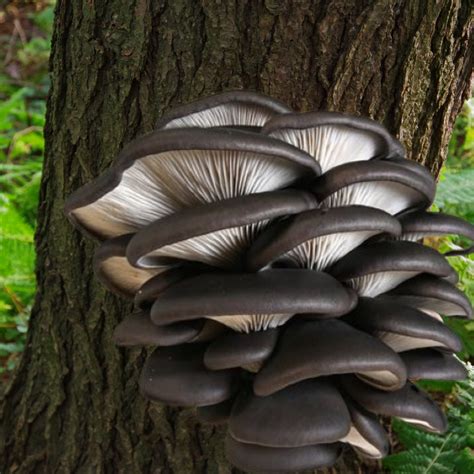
{"type": "Point", "coordinates": [25, 33]}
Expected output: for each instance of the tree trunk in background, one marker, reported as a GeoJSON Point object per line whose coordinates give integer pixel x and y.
{"type": "Point", "coordinates": [117, 65]}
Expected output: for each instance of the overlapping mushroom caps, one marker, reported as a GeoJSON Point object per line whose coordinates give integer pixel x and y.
{"type": "Point", "coordinates": [275, 264]}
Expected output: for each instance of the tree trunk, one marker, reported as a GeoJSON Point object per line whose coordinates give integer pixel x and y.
{"type": "Point", "coordinates": [117, 65]}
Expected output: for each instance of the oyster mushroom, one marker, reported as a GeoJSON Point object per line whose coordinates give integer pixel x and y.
{"type": "Point", "coordinates": [310, 349]}
{"type": "Point", "coordinates": [433, 295]}
{"type": "Point", "coordinates": [252, 301]}
{"type": "Point", "coordinates": [138, 330]}
{"type": "Point", "coordinates": [430, 364]}
{"type": "Point", "coordinates": [401, 327]}
{"type": "Point", "coordinates": [409, 403]}
{"type": "Point", "coordinates": [166, 171]}
{"type": "Point", "coordinates": [333, 138]}
{"type": "Point", "coordinates": [229, 109]}
{"type": "Point", "coordinates": [317, 238]}
{"type": "Point", "coordinates": [420, 224]}
{"type": "Point", "coordinates": [377, 267]}
{"type": "Point", "coordinates": [216, 234]}
{"type": "Point", "coordinates": [392, 186]}
{"type": "Point", "coordinates": [252, 457]}
{"type": "Point", "coordinates": [115, 272]}
{"type": "Point", "coordinates": [304, 414]}
{"type": "Point", "coordinates": [177, 376]}
{"type": "Point", "coordinates": [244, 350]}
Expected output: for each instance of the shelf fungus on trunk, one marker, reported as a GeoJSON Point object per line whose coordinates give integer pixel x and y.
{"type": "Point", "coordinates": [278, 267]}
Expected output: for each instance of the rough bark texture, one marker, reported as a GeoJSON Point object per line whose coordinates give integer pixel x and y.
{"type": "Point", "coordinates": [117, 65]}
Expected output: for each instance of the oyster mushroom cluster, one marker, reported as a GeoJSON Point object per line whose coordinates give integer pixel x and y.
{"type": "Point", "coordinates": [275, 262]}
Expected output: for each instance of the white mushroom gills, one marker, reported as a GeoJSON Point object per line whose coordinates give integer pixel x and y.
{"type": "Point", "coordinates": [321, 252]}
{"type": "Point", "coordinates": [229, 114]}
{"type": "Point", "coordinates": [223, 248]}
{"type": "Point", "coordinates": [389, 196]}
{"type": "Point", "coordinates": [159, 185]}
{"type": "Point", "coordinates": [374, 284]}
{"type": "Point", "coordinates": [333, 145]}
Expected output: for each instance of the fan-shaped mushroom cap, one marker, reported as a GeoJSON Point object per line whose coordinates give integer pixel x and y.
{"type": "Point", "coordinates": [317, 238]}
{"type": "Point", "coordinates": [234, 108]}
{"type": "Point", "coordinates": [165, 171]}
{"type": "Point", "coordinates": [333, 138]}
{"type": "Point", "coordinates": [138, 330]}
{"type": "Point", "coordinates": [409, 403]}
{"type": "Point", "coordinates": [115, 272]}
{"type": "Point", "coordinates": [177, 376]}
{"type": "Point", "coordinates": [241, 350]}
{"type": "Point", "coordinates": [401, 327]}
{"type": "Point", "coordinates": [147, 294]}
{"type": "Point", "coordinates": [215, 414]}
{"type": "Point", "coordinates": [309, 349]}
{"type": "Point", "coordinates": [377, 267]}
{"type": "Point", "coordinates": [390, 186]}
{"type": "Point", "coordinates": [420, 224]}
{"type": "Point", "coordinates": [366, 435]}
{"type": "Point", "coordinates": [431, 294]}
{"type": "Point", "coordinates": [217, 234]}
{"type": "Point", "coordinates": [254, 458]}
{"type": "Point", "coordinates": [311, 412]}
{"type": "Point", "coordinates": [433, 365]}
{"type": "Point", "coordinates": [252, 301]}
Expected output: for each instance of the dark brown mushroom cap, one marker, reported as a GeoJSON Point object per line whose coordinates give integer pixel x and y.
{"type": "Point", "coordinates": [416, 225]}
{"type": "Point", "coordinates": [292, 127]}
{"type": "Point", "coordinates": [409, 403]}
{"type": "Point", "coordinates": [431, 364]}
{"type": "Point", "coordinates": [309, 349]}
{"type": "Point", "coordinates": [147, 293]}
{"type": "Point", "coordinates": [115, 272]}
{"type": "Point", "coordinates": [402, 327]}
{"type": "Point", "coordinates": [281, 237]}
{"type": "Point", "coordinates": [149, 246]}
{"type": "Point", "coordinates": [254, 458]}
{"type": "Point", "coordinates": [311, 412]}
{"type": "Point", "coordinates": [223, 110]}
{"type": "Point", "coordinates": [177, 376]}
{"type": "Point", "coordinates": [390, 256]}
{"type": "Point", "coordinates": [431, 293]}
{"type": "Point", "coordinates": [273, 292]}
{"type": "Point", "coordinates": [367, 435]}
{"type": "Point", "coordinates": [215, 414]}
{"type": "Point", "coordinates": [138, 330]}
{"type": "Point", "coordinates": [240, 350]}
{"type": "Point", "coordinates": [137, 200]}
{"type": "Point", "coordinates": [419, 185]}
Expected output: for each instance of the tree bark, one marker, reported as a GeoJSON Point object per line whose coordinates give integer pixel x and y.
{"type": "Point", "coordinates": [117, 65]}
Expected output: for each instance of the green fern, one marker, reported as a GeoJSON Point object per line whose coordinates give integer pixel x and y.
{"type": "Point", "coordinates": [452, 453]}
